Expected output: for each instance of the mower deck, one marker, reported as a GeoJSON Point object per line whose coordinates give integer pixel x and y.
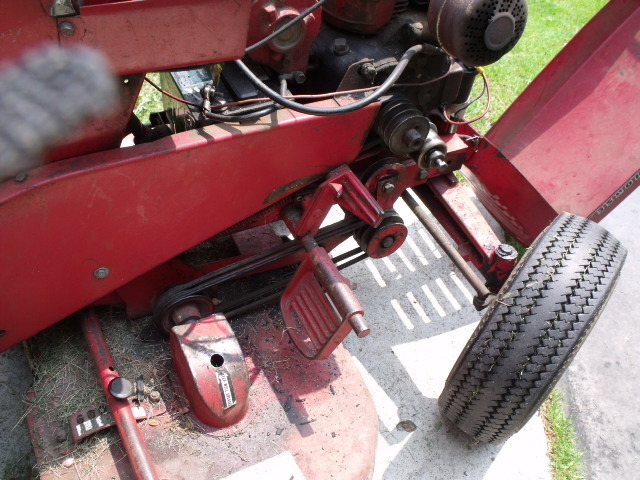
{"type": "Point", "coordinates": [293, 407]}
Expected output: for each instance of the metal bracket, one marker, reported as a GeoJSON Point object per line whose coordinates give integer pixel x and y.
{"type": "Point", "coordinates": [343, 188]}
{"type": "Point", "coordinates": [97, 418]}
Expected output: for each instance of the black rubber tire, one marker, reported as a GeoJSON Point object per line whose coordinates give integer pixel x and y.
{"type": "Point", "coordinates": [528, 337]}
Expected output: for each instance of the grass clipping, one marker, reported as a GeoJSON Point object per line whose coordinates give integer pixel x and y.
{"type": "Point", "coordinates": [65, 382]}
{"type": "Point", "coordinates": [564, 455]}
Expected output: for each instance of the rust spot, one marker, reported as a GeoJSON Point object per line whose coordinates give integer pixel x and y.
{"type": "Point", "coordinates": [282, 191]}
{"type": "Point", "coordinates": [407, 426]}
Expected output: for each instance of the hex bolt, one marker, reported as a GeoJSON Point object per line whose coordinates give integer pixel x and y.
{"type": "Point", "coordinates": [101, 272]}
{"type": "Point", "coordinates": [67, 29]}
{"type": "Point", "coordinates": [416, 29]}
{"type": "Point", "coordinates": [388, 241]}
{"type": "Point", "coordinates": [340, 46]}
{"type": "Point", "coordinates": [299, 77]}
{"type": "Point", "coordinates": [422, 174]}
{"type": "Point", "coordinates": [506, 252]}
{"type": "Point", "coordinates": [154, 396]}
{"type": "Point", "coordinates": [368, 70]}
{"type": "Point", "coordinates": [388, 187]}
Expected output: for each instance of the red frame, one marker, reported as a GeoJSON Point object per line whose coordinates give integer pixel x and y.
{"type": "Point", "coordinates": [132, 210]}
{"type": "Point", "coordinates": [570, 134]}
{"type": "Point", "coordinates": [111, 209]}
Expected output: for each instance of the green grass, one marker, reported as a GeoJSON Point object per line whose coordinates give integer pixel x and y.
{"type": "Point", "coordinates": [565, 457]}
{"type": "Point", "coordinates": [149, 100]}
{"type": "Point", "coordinates": [551, 24]}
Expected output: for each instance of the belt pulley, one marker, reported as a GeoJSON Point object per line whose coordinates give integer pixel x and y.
{"type": "Point", "coordinates": [177, 295]}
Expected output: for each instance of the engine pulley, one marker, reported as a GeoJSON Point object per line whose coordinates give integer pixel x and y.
{"type": "Point", "coordinates": [402, 126]}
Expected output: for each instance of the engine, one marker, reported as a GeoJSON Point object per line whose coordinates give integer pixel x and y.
{"type": "Point", "coordinates": [304, 51]}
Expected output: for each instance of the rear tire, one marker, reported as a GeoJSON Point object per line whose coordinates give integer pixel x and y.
{"type": "Point", "coordinates": [530, 334]}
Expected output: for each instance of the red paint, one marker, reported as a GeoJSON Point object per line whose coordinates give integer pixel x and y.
{"type": "Point", "coordinates": [505, 192]}
{"type": "Point", "coordinates": [342, 188]}
{"type": "Point", "coordinates": [24, 24]}
{"type": "Point", "coordinates": [360, 16]}
{"type": "Point", "coordinates": [132, 209]}
{"type": "Point", "coordinates": [212, 371]}
{"type": "Point", "coordinates": [465, 215]}
{"type": "Point", "coordinates": [130, 434]}
{"type": "Point", "coordinates": [293, 53]}
{"type": "Point", "coordinates": [318, 305]}
{"type": "Point", "coordinates": [570, 132]}
{"type": "Point", "coordinates": [152, 35]}
{"type": "Point", "coordinates": [103, 132]}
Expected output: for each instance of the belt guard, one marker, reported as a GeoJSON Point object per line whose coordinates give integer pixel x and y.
{"type": "Point", "coordinates": [212, 370]}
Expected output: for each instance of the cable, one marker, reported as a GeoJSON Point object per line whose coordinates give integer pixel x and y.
{"type": "Point", "coordinates": [320, 96]}
{"type": "Point", "coordinates": [244, 115]}
{"type": "Point", "coordinates": [381, 90]}
{"type": "Point", "coordinates": [486, 110]}
{"type": "Point", "coordinates": [469, 103]}
{"type": "Point", "coordinates": [220, 117]}
{"type": "Point", "coordinates": [164, 92]}
{"type": "Point", "coordinates": [277, 32]}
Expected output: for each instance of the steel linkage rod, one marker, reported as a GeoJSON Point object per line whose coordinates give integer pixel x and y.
{"type": "Point", "coordinates": [432, 227]}
{"type": "Point", "coordinates": [134, 444]}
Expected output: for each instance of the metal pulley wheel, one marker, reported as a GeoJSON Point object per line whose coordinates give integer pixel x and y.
{"type": "Point", "coordinates": [402, 126]}
{"type": "Point", "coordinates": [186, 309]}
{"type": "Point", "coordinates": [386, 238]}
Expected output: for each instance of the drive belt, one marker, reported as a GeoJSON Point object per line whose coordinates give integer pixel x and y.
{"type": "Point", "coordinates": [242, 267]}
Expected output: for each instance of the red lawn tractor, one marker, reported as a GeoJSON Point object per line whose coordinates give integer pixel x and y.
{"type": "Point", "coordinates": [276, 112]}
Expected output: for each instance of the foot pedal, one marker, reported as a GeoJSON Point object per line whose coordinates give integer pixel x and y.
{"type": "Point", "coordinates": [319, 307]}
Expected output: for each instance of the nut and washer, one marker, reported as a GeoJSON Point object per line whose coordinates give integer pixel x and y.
{"type": "Point", "coordinates": [388, 187]}
{"type": "Point", "coordinates": [388, 241]}
{"type": "Point", "coordinates": [506, 252]}
{"type": "Point", "coordinates": [61, 434]}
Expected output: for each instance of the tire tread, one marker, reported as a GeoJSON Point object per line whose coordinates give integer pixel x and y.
{"type": "Point", "coordinates": [529, 335]}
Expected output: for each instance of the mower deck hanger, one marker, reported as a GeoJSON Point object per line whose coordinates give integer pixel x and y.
{"type": "Point", "coordinates": [275, 113]}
